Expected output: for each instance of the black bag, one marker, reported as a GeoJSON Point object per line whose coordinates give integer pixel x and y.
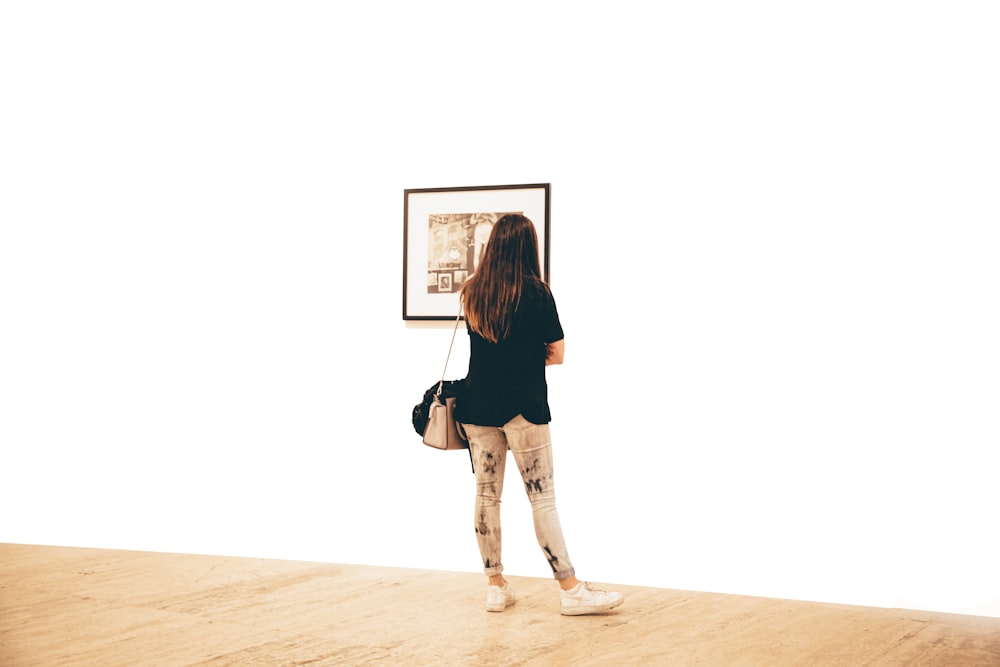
{"type": "Point", "coordinates": [434, 416]}
{"type": "Point", "coordinates": [434, 419]}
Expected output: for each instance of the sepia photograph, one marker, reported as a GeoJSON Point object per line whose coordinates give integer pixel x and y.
{"type": "Point", "coordinates": [455, 243]}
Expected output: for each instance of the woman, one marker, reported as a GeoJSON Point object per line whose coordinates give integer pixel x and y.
{"type": "Point", "coordinates": [515, 333]}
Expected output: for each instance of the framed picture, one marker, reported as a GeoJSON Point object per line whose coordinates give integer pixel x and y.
{"type": "Point", "coordinates": [444, 232]}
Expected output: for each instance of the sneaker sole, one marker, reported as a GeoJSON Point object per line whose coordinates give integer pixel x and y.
{"type": "Point", "coordinates": [497, 607]}
{"type": "Point", "coordinates": [594, 609]}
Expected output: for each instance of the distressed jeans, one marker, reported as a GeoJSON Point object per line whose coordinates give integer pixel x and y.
{"type": "Point", "coordinates": [532, 449]}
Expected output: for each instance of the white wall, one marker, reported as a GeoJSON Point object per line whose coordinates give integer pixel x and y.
{"type": "Point", "coordinates": [773, 248]}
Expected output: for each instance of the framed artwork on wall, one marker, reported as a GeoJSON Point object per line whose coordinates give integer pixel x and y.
{"type": "Point", "coordinates": [444, 232]}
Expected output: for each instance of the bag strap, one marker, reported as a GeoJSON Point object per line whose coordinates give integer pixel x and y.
{"type": "Point", "coordinates": [448, 358]}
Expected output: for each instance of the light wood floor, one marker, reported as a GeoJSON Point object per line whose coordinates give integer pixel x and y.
{"type": "Point", "coordinates": [82, 607]}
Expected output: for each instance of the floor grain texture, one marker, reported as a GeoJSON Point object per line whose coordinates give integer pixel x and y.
{"type": "Point", "coordinates": [82, 607]}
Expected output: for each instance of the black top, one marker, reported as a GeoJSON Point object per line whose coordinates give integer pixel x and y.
{"type": "Point", "coordinates": [507, 379]}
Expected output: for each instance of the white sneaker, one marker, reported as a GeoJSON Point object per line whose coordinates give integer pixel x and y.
{"type": "Point", "coordinates": [582, 599]}
{"type": "Point", "coordinates": [499, 598]}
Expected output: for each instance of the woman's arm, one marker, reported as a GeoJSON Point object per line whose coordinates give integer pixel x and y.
{"type": "Point", "coordinates": [554, 352]}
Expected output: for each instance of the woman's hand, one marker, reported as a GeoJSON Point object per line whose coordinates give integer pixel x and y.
{"type": "Point", "coordinates": [554, 352]}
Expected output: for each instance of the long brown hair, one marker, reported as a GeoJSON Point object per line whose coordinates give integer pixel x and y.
{"type": "Point", "coordinates": [509, 263]}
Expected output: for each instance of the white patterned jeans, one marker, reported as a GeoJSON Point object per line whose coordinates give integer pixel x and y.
{"type": "Point", "coordinates": [532, 449]}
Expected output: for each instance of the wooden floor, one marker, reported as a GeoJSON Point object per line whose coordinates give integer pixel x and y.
{"type": "Point", "coordinates": [81, 607]}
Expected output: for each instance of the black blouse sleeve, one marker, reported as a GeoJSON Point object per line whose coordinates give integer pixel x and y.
{"type": "Point", "coordinates": [548, 317]}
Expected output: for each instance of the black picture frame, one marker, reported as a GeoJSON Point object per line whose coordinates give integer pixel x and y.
{"type": "Point", "coordinates": [444, 230]}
